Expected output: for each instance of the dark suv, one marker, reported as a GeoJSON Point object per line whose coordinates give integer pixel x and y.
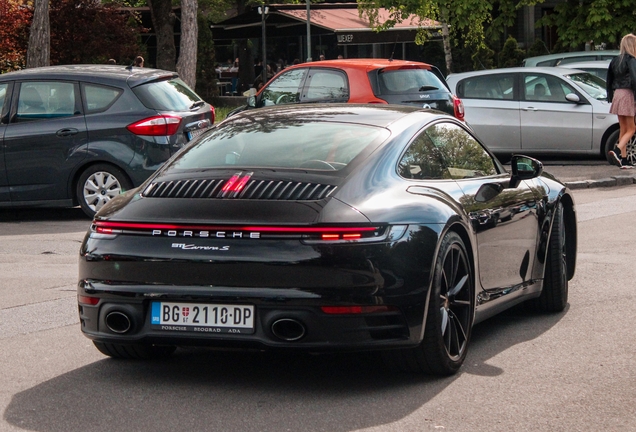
{"type": "Point", "coordinates": [79, 135]}
{"type": "Point", "coordinates": [361, 81]}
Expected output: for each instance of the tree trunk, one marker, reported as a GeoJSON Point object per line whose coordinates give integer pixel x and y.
{"type": "Point", "coordinates": [39, 50]}
{"type": "Point", "coordinates": [446, 41]}
{"type": "Point", "coordinates": [163, 23]}
{"type": "Point", "coordinates": [187, 64]}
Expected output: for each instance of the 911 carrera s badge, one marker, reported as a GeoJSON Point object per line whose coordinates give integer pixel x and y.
{"type": "Point", "coordinates": [186, 246]}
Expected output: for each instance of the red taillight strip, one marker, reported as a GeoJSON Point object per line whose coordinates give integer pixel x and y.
{"type": "Point", "coordinates": [274, 229]}
{"type": "Point", "coordinates": [86, 300]}
{"type": "Point", "coordinates": [355, 310]}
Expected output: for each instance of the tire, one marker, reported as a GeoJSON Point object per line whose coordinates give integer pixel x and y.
{"type": "Point", "coordinates": [631, 150]}
{"type": "Point", "coordinates": [554, 295]}
{"type": "Point", "coordinates": [134, 352]}
{"type": "Point", "coordinates": [449, 321]}
{"type": "Point", "coordinates": [98, 184]}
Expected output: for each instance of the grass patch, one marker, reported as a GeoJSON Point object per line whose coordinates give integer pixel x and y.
{"type": "Point", "coordinates": [221, 112]}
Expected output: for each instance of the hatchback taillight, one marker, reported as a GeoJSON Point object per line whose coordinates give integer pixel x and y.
{"type": "Point", "coordinates": [160, 125]}
{"type": "Point", "coordinates": [458, 108]}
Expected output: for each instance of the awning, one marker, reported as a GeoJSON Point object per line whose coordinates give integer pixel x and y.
{"type": "Point", "coordinates": [342, 20]}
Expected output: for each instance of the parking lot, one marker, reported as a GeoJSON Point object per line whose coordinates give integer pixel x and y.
{"type": "Point", "coordinates": [568, 371]}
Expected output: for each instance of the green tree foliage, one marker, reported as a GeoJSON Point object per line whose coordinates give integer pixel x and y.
{"type": "Point", "coordinates": [469, 21]}
{"type": "Point", "coordinates": [600, 21]}
{"type": "Point", "coordinates": [511, 55]}
{"type": "Point", "coordinates": [484, 58]}
{"type": "Point", "coordinates": [15, 19]}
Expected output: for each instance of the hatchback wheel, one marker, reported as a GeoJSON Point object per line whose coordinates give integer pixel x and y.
{"type": "Point", "coordinates": [98, 184]}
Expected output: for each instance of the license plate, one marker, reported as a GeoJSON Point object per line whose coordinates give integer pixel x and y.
{"type": "Point", "coordinates": [195, 133]}
{"type": "Point", "coordinates": [202, 317]}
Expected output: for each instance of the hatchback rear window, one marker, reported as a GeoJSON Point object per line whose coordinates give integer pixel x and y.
{"type": "Point", "coordinates": [169, 95]}
{"type": "Point", "coordinates": [403, 81]}
{"type": "Point", "coordinates": [321, 146]}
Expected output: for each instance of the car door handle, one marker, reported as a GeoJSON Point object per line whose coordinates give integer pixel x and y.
{"type": "Point", "coordinates": [66, 132]}
{"type": "Point", "coordinates": [530, 109]}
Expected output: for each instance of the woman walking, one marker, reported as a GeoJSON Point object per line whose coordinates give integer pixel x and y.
{"type": "Point", "coordinates": [621, 88]}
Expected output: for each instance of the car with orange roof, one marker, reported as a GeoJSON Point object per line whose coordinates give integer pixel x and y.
{"type": "Point", "coordinates": [379, 81]}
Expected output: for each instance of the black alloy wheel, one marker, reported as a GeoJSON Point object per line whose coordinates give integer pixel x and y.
{"type": "Point", "coordinates": [450, 315]}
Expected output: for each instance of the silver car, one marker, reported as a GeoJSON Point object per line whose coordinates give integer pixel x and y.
{"type": "Point", "coordinates": [541, 110]}
{"type": "Point", "coordinates": [598, 68]}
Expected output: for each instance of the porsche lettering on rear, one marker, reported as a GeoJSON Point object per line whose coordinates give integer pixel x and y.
{"type": "Point", "coordinates": [206, 234]}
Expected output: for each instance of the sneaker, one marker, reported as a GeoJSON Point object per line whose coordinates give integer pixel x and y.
{"type": "Point", "coordinates": [626, 164]}
{"type": "Point", "coordinates": [615, 156]}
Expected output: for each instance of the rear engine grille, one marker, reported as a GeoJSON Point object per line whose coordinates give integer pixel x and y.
{"type": "Point", "coordinates": [254, 190]}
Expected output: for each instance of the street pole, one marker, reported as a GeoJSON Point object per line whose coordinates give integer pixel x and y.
{"type": "Point", "coordinates": [308, 33]}
{"type": "Point", "coordinates": [263, 11]}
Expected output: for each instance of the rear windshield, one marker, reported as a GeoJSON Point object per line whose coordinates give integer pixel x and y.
{"type": "Point", "coordinates": [323, 146]}
{"type": "Point", "coordinates": [169, 95]}
{"type": "Point", "coordinates": [403, 81]}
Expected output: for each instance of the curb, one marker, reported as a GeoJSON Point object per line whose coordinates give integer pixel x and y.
{"type": "Point", "coordinates": [605, 182]}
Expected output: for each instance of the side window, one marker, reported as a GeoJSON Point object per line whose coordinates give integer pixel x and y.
{"type": "Point", "coordinates": [45, 100]}
{"type": "Point", "coordinates": [545, 88]}
{"type": "Point", "coordinates": [445, 151]}
{"type": "Point", "coordinates": [325, 84]}
{"type": "Point", "coordinates": [3, 98]}
{"type": "Point", "coordinates": [99, 98]}
{"type": "Point", "coordinates": [567, 60]}
{"type": "Point", "coordinates": [285, 89]}
{"type": "Point", "coordinates": [500, 87]}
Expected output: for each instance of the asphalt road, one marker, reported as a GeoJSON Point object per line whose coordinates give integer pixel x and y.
{"type": "Point", "coordinates": [573, 371]}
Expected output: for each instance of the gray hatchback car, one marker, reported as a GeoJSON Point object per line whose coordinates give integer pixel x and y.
{"type": "Point", "coordinates": [81, 134]}
{"type": "Point", "coordinates": [542, 110]}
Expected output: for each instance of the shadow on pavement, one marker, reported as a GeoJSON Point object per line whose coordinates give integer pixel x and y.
{"type": "Point", "coordinates": [200, 389]}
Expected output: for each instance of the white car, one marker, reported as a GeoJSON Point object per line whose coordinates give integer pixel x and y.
{"type": "Point", "coordinates": [598, 68]}
{"type": "Point", "coordinates": [540, 110]}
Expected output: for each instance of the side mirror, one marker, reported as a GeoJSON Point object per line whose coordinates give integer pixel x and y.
{"type": "Point", "coordinates": [251, 101]}
{"type": "Point", "coordinates": [524, 168]}
{"type": "Point", "coordinates": [573, 97]}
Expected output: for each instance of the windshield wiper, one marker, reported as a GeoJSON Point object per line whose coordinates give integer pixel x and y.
{"type": "Point", "coordinates": [428, 87]}
{"type": "Point", "coordinates": [197, 104]}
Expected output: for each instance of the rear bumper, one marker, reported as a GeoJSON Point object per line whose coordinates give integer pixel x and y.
{"type": "Point", "coordinates": [399, 327]}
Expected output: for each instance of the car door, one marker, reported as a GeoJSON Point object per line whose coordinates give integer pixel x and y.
{"type": "Point", "coordinates": [549, 122]}
{"type": "Point", "coordinates": [44, 141]}
{"type": "Point", "coordinates": [505, 224]}
{"type": "Point", "coordinates": [5, 101]}
{"type": "Point", "coordinates": [492, 109]}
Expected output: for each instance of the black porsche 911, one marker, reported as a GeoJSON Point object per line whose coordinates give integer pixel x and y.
{"type": "Point", "coordinates": [327, 227]}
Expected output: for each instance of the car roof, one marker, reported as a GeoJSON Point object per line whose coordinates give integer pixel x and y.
{"type": "Point", "coordinates": [132, 75]}
{"type": "Point", "coordinates": [378, 115]}
{"type": "Point", "coordinates": [555, 70]}
{"type": "Point", "coordinates": [588, 64]}
{"type": "Point", "coordinates": [364, 63]}
{"type": "Point", "coordinates": [536, 59]}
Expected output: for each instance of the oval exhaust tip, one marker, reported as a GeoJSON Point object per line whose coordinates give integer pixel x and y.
{"type": "Point", "coordinates": [288, 329]}
{"type": "Point", "coordinates": [118, 322]}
